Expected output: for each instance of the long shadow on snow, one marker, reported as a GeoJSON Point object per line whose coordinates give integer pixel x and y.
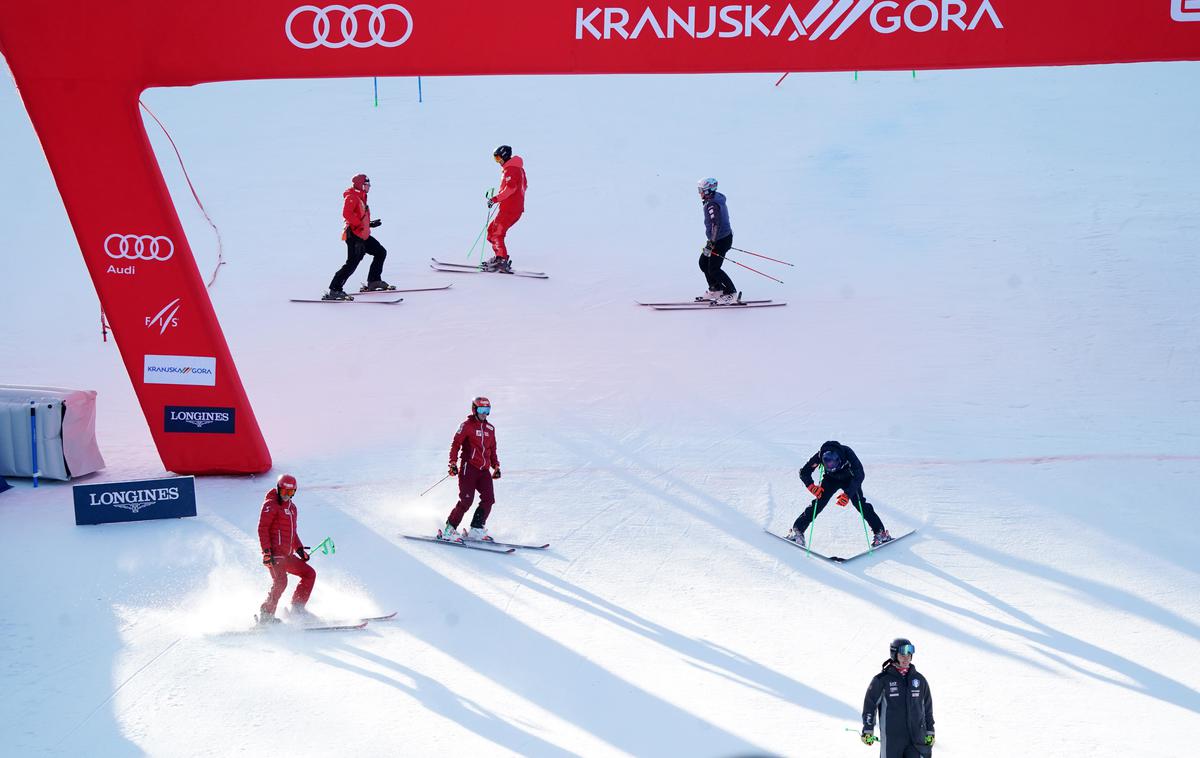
{"type": "Point", "coordinates": [1149, 682]}
{"type": "Point", "coordinates": [526, 661]}
{"type": "Point", "coordinates": [719, 660]}
{"type": "Point", "coordinates": [444, 701]}
{"type": "Point", "coordinates": [660, 485]}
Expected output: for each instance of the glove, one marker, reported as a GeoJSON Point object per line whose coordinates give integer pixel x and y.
{"type": "Point", "coordinates": [816, 489]}
{"type": "Point", "coordinates": [869, 739]}
{"type": "Point", "coordinates": [929, 740]}
{"type": "Point", "coordinates": [843, 500]}
{"type": "Point", "coordinates": [268, 559]}
{"type": "Point", "coordinates": [453, 469]}
{"type": "Point", "coordinates": [707, 249]}
{"type": "Point", "coordinates": [496, 473]}
{"type": "Point", "coordinates": [375, 223]}
{"type": "Point", "coordinates": [491, 201]}
{"type": "Point", "coordinates": [302, 553]}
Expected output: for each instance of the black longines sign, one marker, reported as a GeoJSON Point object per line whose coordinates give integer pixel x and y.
{"type": "Point", "coordinates": [143, 500]}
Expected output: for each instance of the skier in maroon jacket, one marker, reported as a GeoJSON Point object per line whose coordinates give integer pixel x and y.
{"type": "Point", "coordinates": [282, 551]}
{"type": "Point", "coordinates": [474, 461]}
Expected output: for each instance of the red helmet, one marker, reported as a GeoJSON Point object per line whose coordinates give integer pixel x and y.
{"type": "Point", "coordinates": [481, 402]}
{"type": "Point", "coordinates": [286, 482]}
{"type": "Point", "coordinates": [360, 181]}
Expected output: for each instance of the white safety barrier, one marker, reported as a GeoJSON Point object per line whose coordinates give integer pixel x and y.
{"type": "Point", "coordinates": [48, 432]}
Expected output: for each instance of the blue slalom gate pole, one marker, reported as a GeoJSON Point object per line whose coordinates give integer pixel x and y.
{"type": "Point", "coordinates": [376, 78]}
{"type": "Point", "coordinates": [419, 89]}
{"type": "Point", "coordinates": [33, 440]}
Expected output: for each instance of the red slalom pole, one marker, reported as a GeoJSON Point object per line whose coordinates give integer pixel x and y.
{"type": "Point", "coordinates": [743, 265]}
{"type": "Point", "coordinates": [759, 255]}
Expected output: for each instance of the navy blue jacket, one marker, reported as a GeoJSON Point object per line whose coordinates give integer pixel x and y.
{"type": "Point", "coordinates": [716, 218]}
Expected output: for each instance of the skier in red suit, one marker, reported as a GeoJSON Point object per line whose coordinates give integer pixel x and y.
{"type": "Point", "coordinates": [359, 242]}
{"type": "Point", "coordinates": [511, 199]}
{"type": "Point", "coordinates": [282, 551]}
{"type": "Point", "coordinates": [473, 459]}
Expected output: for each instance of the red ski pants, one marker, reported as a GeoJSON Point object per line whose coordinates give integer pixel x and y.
{"type": "Point", "coordinates": [284, 565]}
{"type": "Point", "coordinates": [499, 227]}
{"type": "Point", "coordinates": [470, 481]}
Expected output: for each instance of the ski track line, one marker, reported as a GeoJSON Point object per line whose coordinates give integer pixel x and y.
{"type": "Point", "coordinates": [121, 686]}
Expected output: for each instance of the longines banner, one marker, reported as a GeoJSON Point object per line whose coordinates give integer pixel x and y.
{"type": "Point", "coordinates": [81, 65]}
{"type": "Point", "coordinates": [135, 501]}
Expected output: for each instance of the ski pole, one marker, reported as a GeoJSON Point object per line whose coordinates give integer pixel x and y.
{"type": "Point", "coordinates": [439, 481]}
{"type": "Point", "coordinates": [870, 549]}
{"type": "Point", "coordinates": [743, 265]}
{"type": "Point", "coordinates": [874, 739]}
{"type": "Point", "coordinates": [758, 255]}
{"type": "Point", "coordinates": [471, 252]}
{"type": "Point", "coordinates": [812, 524]}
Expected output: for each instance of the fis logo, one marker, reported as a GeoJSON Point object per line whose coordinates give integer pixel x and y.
{"type": "Point", "coordinates": [1185, 10]}
{"type": "Point", "coordinates": [823, 20]}
{"type": "Point", "coordinates": [165, 319]}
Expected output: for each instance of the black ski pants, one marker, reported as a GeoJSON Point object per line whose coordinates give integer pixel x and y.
{"type": "Point", "coordinates": [356, 248]}
{"type": "Point", "coordinates": [711, 266]}
{"type": "Point", "coordinates": [856, 496]}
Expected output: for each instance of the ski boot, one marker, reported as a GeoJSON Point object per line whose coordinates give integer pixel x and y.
{"type": "Point", "coordinates": [336, 295]}
{"type": "Point", "coordinates": [379, 286]}
{"type": "Point", "coordinates": [266, 618]}
{"type": "Point", "coordinates": [797, 536]}
{"type": "Point", "coordinates": [449, 534]}
{"type": "Point", "coordinates": [708, 297]}
{"type": "Point", "coordinates": [302, 615]}
{"type": "Point", "coordinates": [881, 538]}
{"type": "Point", "coordinates": [731, 298]}
{"type": "Point", "coordinates": [479, 534]}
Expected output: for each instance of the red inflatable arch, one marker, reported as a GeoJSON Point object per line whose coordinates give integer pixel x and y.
{"type": "Point", "coordinates": [80, 66]}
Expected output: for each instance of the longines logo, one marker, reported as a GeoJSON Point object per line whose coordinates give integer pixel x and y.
{"type": "Point", "coordinates": [134, 500]}
{"type": "Point", "coordinates": [767, 20]}
{"type": "Point", "coordinates": [192, 419]}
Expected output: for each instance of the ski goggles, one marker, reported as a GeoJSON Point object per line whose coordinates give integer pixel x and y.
{"type": "Point", "coordinates": [483, 410]}
{"type": "Point", "coordinates": [906, 650]}
{"type": "Point", "coordinates": [287, 491]}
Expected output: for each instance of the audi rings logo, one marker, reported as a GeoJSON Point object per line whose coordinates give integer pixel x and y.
{"type": "Point", "coordinates": [139, 247]}
{"type": "Point", "coordinates": [356, 25]}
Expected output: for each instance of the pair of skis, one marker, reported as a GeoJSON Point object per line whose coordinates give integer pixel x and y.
{"type": "Point", "coordinates": [700, 304]}
{"type": "Point", "coordinates": [389, 301]}
{"type": "Point", "coordinates": [839, 559]}
{"type": "Point", "coordinates": [477, 268]}
{"type": "Point", "coordinates": [486, 546]}
{"type": "Point", "coordinates": [321, 626]}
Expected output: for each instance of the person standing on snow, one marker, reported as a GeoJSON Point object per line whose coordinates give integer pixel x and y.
{"type": "Point", "coordinates": [359, 242]}
{"type": "Point", "coordinates": [899, 697]}
{"type": "Point", "coordinates": [282, 551]}
{"type": "Point", "coordinates": [720, 239]}
{"type": "Point", "coordinates": [843, 471]}
{"type": "Point", "coordinates": [511, 199]}
{"type": "Point", "coordinates": [473, 459]}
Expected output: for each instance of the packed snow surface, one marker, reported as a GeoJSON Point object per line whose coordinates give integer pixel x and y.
{"type": "Point", "coordinates": [993, 302]}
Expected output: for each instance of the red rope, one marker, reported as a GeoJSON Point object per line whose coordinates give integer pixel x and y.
{"type": "Point", "coordinates": [220, 246]}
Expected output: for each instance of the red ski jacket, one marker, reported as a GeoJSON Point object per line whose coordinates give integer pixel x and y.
{"type": "Point", "coordinates": [357, 213]}
{"type": "Point", "coordinates": [477, 441]}
{"type": "Point", "coordinates": [277, 525]}
{"type": "Point", "coordinates": [512, 186]}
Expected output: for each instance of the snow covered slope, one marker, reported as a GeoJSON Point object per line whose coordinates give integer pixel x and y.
{"type": "Point", "coordinates": [994, 304]}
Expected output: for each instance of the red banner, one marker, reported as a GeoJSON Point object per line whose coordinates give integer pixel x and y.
{"type": "Point", "coordinates": [81, 64]}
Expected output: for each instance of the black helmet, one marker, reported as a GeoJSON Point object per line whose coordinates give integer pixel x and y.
{"type": "Point", "coordinates": [504, 152]}
{"type": "Point", "coordinates": [831, 459]}
{"type": "Point", "coordinates": [901, 646]}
